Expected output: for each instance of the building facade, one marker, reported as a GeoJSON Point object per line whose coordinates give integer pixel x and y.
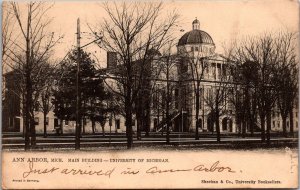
{"type": "Point", "coordinates": [173, 91]}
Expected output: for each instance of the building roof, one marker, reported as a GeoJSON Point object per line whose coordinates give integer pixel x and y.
{"type": "Point", "coordinates": [195, 37]}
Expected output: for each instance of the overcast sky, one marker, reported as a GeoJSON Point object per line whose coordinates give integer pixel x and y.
{"type": "Point", "coordinates": [224, 20]}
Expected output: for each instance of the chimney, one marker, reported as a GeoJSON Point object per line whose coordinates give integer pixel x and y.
{"type": "Point", "coordinates": [111, 60]}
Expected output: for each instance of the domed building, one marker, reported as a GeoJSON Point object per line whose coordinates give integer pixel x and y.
{"type": "Point", "coordinates": [197, 42]}
{"type": "Point", "coordinates": [201, 70]}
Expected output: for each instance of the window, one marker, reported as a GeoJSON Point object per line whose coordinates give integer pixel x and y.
{"type": "Point", "coordinates": [274, 124]}
{"type": "Point", "coordinates": [218, 72]}
{"type": "Point", "coordinates": [196, 49]}
{"type": "Point", "coordinates": [66, 122]}
{"type": "Point", "coordinates": [36, 121]}
{"type": "Point", "coordinates": [296, 114]}
{"type": "Point", "coordinates": [192, 48]}
{"type": "Point", "coordinates": [117, 123]}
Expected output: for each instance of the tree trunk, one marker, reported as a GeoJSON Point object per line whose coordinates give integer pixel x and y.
{"type": "Point", "coordinates": [103, 131]}
{"type": "Point", "coordinates": [129, 128]}
{"type": "Point", "coordinates": [262, 120]}
{"type": "Point", "coordinates": [28, 88]}
{"type": "Point", "coordinates": [168, 132]}
{"type": "Point", "coordinates": [33, 134]}
{"type": "Point", "coordinates": [269, 126]}
{"type": "Point", "coordinates": [45, 125]}
{"type": "Point", "coordinates": [217, 117]}
{"type": "Point", "coordinates": [251, 123]}
{"type": "Point", "coordinates": [168, 124]}
{"type": "Point", "coordinates": [247, 125]}
{"type": "Point", "coordinates": [238, 124]}
{"type": "Point", "coordinates": [244, 126]}
{"type": "Point", "coordinates": [93, 126]}
{"type": "Point", "coordinates": [60, 126]}
{"type": "Point", "coordinates": [128, 116]}
{"type": "Point", "coordinates": [27, 130]}
{"type": "Point", "coordinates": [167, 108]}
{"type": "Point", "coordinates": [197, 111]}
{"type": "Point", "coordinates": [61, 129]}
{"type": "Point", "coordinates": [138, 128]}
{"type": "Point", "coordinates": [83, 126]}
{"type": "Point", "coordinates": [291, 122]}
{"type": "Point", "coordinates": [284, 133]}
{"type": "Point", "coordinates": [147, 121]}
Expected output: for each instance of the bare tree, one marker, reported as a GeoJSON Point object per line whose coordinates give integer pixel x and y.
{"type": "Point", "coordinates": [286, 80]}
{"type": "Point", "coordinates": [197, 64]}
{"type": "Point", "coordinates": [216, 98]}
{"type": "Point", "coordinates": [168, 71]}
{"type": "Point", "coordinates": [28, 53]}
{"type": "Point", "coordinates": [131, 30]}
{"type": "Point", "coordinates": [243, 95]}
{"type": "Point", "coordinates": [44, 101]}
{"type": "Point", "coordinates": [262, 53]}
{"type": "Point", "coordinates": [8, 39]}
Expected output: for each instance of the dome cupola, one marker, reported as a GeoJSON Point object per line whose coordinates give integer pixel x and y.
{"type": "Point", "coordinates": [196, 24]}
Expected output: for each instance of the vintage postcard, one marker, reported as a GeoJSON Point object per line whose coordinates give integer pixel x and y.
{"type": "Point", "coordinates": [150, 94]}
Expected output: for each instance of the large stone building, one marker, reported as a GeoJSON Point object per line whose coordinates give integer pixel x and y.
{"type": "Point", "coordinates": [195, 60]}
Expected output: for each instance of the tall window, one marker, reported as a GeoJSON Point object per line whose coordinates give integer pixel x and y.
{"type": "Point", "coordinates": [36, 121]}
{"type": "Point", "coordinates": [218, 73]}
{"type": "Point", "coordinates": [117, 123]}
{"type": "Point", "coordinates": [214, 70]}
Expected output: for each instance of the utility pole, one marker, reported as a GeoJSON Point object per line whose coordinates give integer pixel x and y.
{"type": "Point", "coordinates": [78, 118]}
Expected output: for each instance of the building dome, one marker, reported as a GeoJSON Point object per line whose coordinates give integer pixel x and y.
{"type": "Point", "coordinates": [195, 37]}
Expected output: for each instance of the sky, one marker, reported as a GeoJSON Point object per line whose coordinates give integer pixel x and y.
{"type": "Point", "coordinates": [224, 20]}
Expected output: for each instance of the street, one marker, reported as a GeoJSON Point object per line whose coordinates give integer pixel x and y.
{"type": "Point", "coordinates": [15, 141]}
